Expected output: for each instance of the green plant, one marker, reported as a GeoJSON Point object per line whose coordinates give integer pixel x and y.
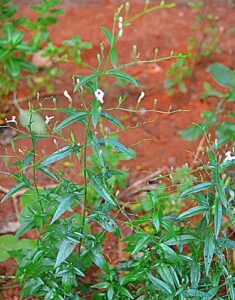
{"type": "Point", "coordinates": [15, 51]}
{"type": "Point", "coordinates": [184, 256]}
{"type": "Point", "coordinates": [70, 226]}
{"type": "Point", "coordinates": [178, 72]}
{"type": "Point", "coordinates": [220, 120]}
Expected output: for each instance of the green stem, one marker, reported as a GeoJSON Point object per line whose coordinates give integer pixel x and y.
{"type": "Point", "coordinates": [34, 168]}
{"type": "Point", "coordinates": [85, 179]}
{"type": "Point", "coordinates": [147, 11]}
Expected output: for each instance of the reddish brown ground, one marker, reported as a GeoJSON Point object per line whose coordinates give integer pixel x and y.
{"type": "Point", "coordinates": [156, 143]}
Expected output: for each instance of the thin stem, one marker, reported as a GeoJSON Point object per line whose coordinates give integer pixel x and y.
{"type": "Point", "coordinates": [85, 179]}
{"type": "Point", "coordinates": [147, 11]}
{"type": "Point", "coordinates": [34, 166]}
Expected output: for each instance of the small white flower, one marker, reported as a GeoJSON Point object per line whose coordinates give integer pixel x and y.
{"type": "Point", "coordinates": [142, 95]}
{"type": "Point", "coordinates": [12, 120]}
{"type": "Point", "coordinates": [66, 94]}
{"type": "Point", "coordinates": [99, 94]}
{"type": "Point", "coordinates": [229, 157]}
{"type": "Point", "coordinates": [120, 26]}
{"type": "Point", "coordinates": [21, 151]}
{"type": "Point", "coordinates": [48, 119]}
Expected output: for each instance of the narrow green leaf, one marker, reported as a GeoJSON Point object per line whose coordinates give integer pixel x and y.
{"type": "Point", "coordinates": [64, 205]}
{"type": "Point", "coordinates": [113, 55]}
{"type": "Point", "coordinates": [100, 189]}
{"type": "Point", "coordinates": [108, 34]}
{"type": "Point", "coordinates": [209, 247]}
{"type": "Point", "coordinates": [196, 293]}
{"type": "Point", "coordinates": [124, 292]}
{"type": "Point", "coordinates": [195, 189]}
{"type": "Point", "coordinates": [110, 293]}
{"type": "Point", "coordinates": [95, 113]}
{"type": "Point", "coordinates": [13, 190]}
{"type": "Point", "coordinates": [140, 245]}
{"type": "Point", "coordinates": [180, 240]}
{"type": "Point", "coordinates": [72, 118]}
{"type": "Point", "coordinates": [195, 274]}
{"type": "Point", "coordinates": [118, 146]}
{"type": "Point", "coordinates": [122, 75]}
{"type": "Point", "coordinates": [159, 284]}
{"type": "Point", "coordinates": [156, 221]}
{"type": "Point", "coordinates": [95, 147]}
{"type": "Point", "coordinates": [79, 272]}
{"type": "Point", "coordinates": [170, 252]}
{"type": "Point", "coordinates": [192, 212]}
{"type": "Point", "coordinates": [220, 190]}
{"type": "Point", "coordinates": [217, 217]}
{"type": "Point", "coordinates": [66, 248]}
{"type": "Point", "coordinates": [111, 119]}
{"type": "Point", "coordinates": [101, 285]}
{"type": "Point", "coordinates": [99, 260]}
{"type": "Point", "coordinates": [166, 276]}
{"type": "Point", "coordinates": [85, 80]}
{"type": "Point", "coordinates": [107, 223]}
{"type": "Point", "coordinates": [59, 155]}
{"type": "Point", "coordinates": [48, 173]}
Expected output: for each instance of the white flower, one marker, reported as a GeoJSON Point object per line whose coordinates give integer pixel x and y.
{"type": "Point", "coordinates": [142, 94]}
{"type": "Point", "coordinates": [48, 119]}
{"type": "Point", "coordinates": [66, 94]}
{"type": "Point", "coordinates": [120, 26]}
{"type": "Point", "coordinates": [228, 156]}
{"type": "Point", "coordinates": [12, 120]}
{"type": "Point", "coordinates": [99, 94]}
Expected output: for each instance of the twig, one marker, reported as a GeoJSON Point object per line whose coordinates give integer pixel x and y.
{"type": "Point", "coordinates": [137, 186]}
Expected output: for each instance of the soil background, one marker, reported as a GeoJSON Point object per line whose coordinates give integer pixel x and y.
{"type": "Point", "coordinates": [156, 142]}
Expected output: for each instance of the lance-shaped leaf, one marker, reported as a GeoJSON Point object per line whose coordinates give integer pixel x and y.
{"type": "Point", "coordinates": [111, 119]}
{"type": "Point", "coordinates": [64, 205]}
{"type": "Point", "coordinates": [217, 217]}
{"type": "Point", "coordinates": [209, 248]}
{"type": "Point", "coordinates": [95, 112]}
{"type": "Point", "coordinates": [107, 223]}
{"type": "Point", "coordinates": [99, 260]}
{"type": "Point", "coordinates": [197, 188]}
{"type": "Point", "coordinates": [113, 55]}
{"type": "Point", "coordinates": [71, 119]}
{"type": "Point", "coordinates": [124, 292]}
{"type": "Point", "coordinates": [15, 189]}
{"type": "Point", "coordinates": [192, 212]}
{"type": "Point", "coordinates": [108, 34]}
{"type": "Point", "coordinates": [48, 173]}
{"type": "Point", "coordinates": [66, 248]}
{"type": "Point", "coordinates": [117, 146]}
{"type": "Point", "coordinates": [100, 189]}
{"type": "Point", "coordinates": [85, 80]}
{"type": "Point", "coordinates": [59, 155]}
{"type": "Point", "coordinates": [159, 284]}
{"type": "Point", "coordinates": [122, 75]}
{"type": "Point", "coordinates": [196, 293]}
{"type": "Point", "coordinates": [141, 243]}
